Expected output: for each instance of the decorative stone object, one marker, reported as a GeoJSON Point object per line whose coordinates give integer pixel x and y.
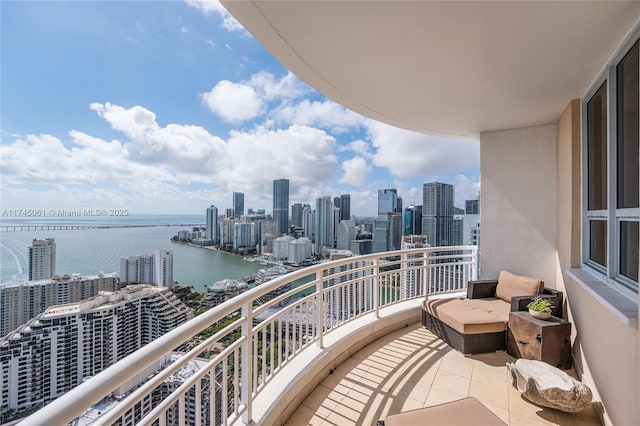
{"type": "Point", "coordinates": [548, 386]}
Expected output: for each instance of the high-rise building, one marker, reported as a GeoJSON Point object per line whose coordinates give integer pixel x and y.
{"type": "Point", "coordinates": [154, 268]}
{"type": "Point", "coordinates": [398, 205]}
{"type": "Point", "coordinates": [42, 259]}
{"type": "Point", "coordinates": [388, 226]}
{"type": "Point", "coordinates": [387, 200]}
{"type": "Point", "coordinates": [437, 213]}
{"type": "Point", "coordinates": [296, 215]}
{"type": "Point", "coordinates": [387, 233]}
{"type": "Point", "coordinates": [324, 224]}
{"type": "Point", "coordinates": [413, 220]}
{"type": "Point", "coordinates": [238, 204]}
{"type": "Point", "coordinates": [457, 230]}
{"type": "Point", "coordinates": [307, 222]}
{"type": "Point", "coordinates": [299, 250]}
{"type": "Point", "coordinates": [471, 225]}
{"type": "Point", "coordinates": [244, 235]}
{"type": "Point", "coordinates": [281, 247]}
{"type": "Point", "coordinates": [381, 234]}
{"type": "Point", "coordinates": [227, 231]}
{"type": "Point", "coordinates": [360, 247]}
{"type": "Point", "coordinates": [66, 344]}
{"type": "Point", "coordinates": [281, 204]}
{"type": "Point", "coordinates": [472, 206]}
{"type": "Point", "coordinates": [346, 232]}
{"type": "Point", "coordinates": [345, 207]}
{"type": "Point", "coordinates": [20, 302]}
{"type": "Point", "coordinates": [164, 267]}
{"type": "Point", "coordinates": [229, 213]}
{"type": "Point", "coordinates": [212, 225]}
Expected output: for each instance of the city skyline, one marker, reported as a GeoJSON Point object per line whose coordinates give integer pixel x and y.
{"type": "Point", "coordinates": [198, 111]}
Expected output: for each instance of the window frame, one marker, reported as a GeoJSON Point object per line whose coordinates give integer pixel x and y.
{"type": "Point", "coordinates": [612, 215]}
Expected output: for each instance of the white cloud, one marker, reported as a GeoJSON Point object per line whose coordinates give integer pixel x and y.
{"type": "Point", "coordinates": [408, 154]}
{"type": "Point", "coordinates": [213, 6]}
{"type": "Point", "coordinates": [238, 102]}
{"type": "Point", "coordinates": [234, 102]}
{"type": "Point", "coordinates": [358, 146]}
{"type": "Point", "coordinates": [326, 114]}
{"type": "Point", "coordinates": [176, 163]}
{"type": "Point", "coordinates": [270, 89]}
{"type": "Point", "coordinates": [356, 171]}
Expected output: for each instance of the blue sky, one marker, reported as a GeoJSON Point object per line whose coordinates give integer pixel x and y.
{"type": "Point", "coordinates": [168, 107]}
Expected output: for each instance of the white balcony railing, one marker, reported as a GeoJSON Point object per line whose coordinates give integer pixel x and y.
{"type": "Point", "coordinates": [265, 329]}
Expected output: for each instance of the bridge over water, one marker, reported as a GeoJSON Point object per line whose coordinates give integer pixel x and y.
{"type": "Point", "coordinates": [11, 228]}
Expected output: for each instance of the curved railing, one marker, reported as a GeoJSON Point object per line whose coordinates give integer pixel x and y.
{"type": "Point", "coordinates": [257, 334]}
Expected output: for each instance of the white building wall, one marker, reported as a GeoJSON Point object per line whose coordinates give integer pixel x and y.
{"type": "Point", "coordinates": [518, 169]}
{"type": "Point", "coordinates": [299, 250]}
{"type": "Point", "coordinates": [281, 247]}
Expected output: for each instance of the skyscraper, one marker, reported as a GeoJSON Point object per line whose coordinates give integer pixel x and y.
{"type": "Point", "coordinates": [387, 200]}
{"type": "Point", "coordinates": [156, 268]}
{"type": "Point", "coordinates": [281, 204]}
{"type": "Point", "coordinates": [324, 223]}
{"type": "Point", "coordinates": [42, 259]}
{"type": "Point", "coordinates": [472, 206]}
{"type": "Point", "coordinates": [296, 215]}
{"type": "Point", "coordinates": [388, 228]}
{"type": "Point", "coordinates": [307, 222]}
{"type": "Point", "coordinates": [244, 235]}
{"type": "Point", "coordinates": [66, 344]}
{"type": "Point", "coordinates": [20, 302]}
{"type": "Point", "coordinates": [437, 213]}
{"type": "Point", "coordinates": [238, 204]}
{"type": "Point", "coordinates": [413, 220]}
{"type": "Point", "coordinates": [212, 224]}
{"type": "Point", "coordinates": [345, 207]}
{"type": "Point", "coordinates": [471, 225]}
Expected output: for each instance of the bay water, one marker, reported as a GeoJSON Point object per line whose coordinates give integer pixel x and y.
{"type": "Point", "coordinates": [91, 251]}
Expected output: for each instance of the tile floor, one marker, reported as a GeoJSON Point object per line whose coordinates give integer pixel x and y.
{"type": "Point", "coordinates": [411, 368]}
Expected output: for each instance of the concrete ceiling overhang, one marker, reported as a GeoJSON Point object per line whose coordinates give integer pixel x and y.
{"type": "Point", "coordinates": [452, 68]}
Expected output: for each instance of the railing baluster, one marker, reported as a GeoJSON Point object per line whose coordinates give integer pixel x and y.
{"type": "Point", "coordinates": [354, 288]}
{"type": "Point", "coordinates": [248, 353]}
{"type": "Point", "coordinates": [198, 402]}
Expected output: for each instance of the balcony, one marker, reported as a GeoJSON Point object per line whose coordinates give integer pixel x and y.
{"type": "Point", "coordinates": [341, 325]}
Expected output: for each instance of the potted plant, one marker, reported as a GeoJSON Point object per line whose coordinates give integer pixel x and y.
{"type": "Point", "coordinates": [540, 308]}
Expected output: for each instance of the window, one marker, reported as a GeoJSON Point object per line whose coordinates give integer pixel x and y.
{"type": "Point", "coordinates": [612, 134]}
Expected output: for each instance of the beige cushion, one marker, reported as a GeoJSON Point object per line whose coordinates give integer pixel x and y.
{"type": "Point", "coordinates": [467, 411]}
{"type": "Point", "coordinates": [471, 316]}
{"type": "Point", "coordinates": [510, 285]}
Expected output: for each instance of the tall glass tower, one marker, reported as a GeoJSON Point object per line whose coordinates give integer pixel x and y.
{"type": "Point", "coordinates": [296, 215]}
{"type": "Point", "coordinates": [324, 223]}
{"type": "Point", "coordinates": [238, 204]}
{"type": "Point", "coordinates": [212, 224]}
{"type": "Point", "coordinates": [281, 204]}
{"type": "Point", "coordinates": [437, 213]}
{"type": "Point", "coordinates": [345, 207]}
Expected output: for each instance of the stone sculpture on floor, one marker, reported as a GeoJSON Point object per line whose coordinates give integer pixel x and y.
{"type": "Point", "coordinates": [548, 386]}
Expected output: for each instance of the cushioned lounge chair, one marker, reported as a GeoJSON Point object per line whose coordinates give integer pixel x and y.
{"type": "Point", "coordinates": [478, 323]}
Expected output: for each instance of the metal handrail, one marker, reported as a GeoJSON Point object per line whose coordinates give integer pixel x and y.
{"type": "Point", "coordinates": [331, 290]}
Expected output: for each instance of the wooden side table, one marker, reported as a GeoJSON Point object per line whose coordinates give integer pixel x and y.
{"type": "Point", "coordinates": [532, 338]}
